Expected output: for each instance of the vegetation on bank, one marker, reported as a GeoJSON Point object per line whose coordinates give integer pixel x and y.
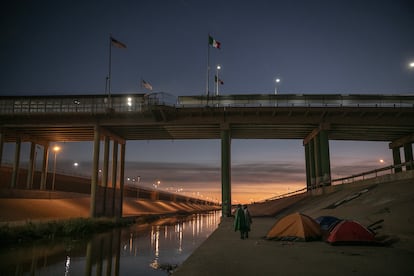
{"type": "Point", "coordinates": [76, 228]}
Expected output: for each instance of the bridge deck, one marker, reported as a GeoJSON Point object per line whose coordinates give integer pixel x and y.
{"type": "Point", "coordinates": [143, 117]}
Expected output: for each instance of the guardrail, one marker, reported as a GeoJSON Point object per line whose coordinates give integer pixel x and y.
{"type": "Point", "coordinates": [374, 173]}
{"type": "Point", "coordinates": [353, 178]}
{"type": "Point", "coordinates": [95, 104]}
{"type": "Point", "coordinates": [298, 100]}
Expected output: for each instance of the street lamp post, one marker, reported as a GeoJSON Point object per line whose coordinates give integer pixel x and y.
{"type": "Point", "coordinates": [56, 149]}
{"type": "Point", "coordinates": [277, 82]}
{"type": "Point", "coordinates": [217, 79]}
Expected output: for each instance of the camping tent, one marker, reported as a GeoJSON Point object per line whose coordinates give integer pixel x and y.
{"type": "Point", "coordinates": [350, 232]}
{"type": "Point", "coordinates": [327, 223]}
{"type": "Point", "coordinates": [295, 226]}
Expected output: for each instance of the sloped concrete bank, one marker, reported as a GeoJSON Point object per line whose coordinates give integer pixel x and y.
{"type": "Point", "coordinates": [224, 253]}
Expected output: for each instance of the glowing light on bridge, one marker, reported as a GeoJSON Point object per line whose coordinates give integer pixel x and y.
{"type": "Point", "coordinates": [56, 149]}
{"type": "Point", "coordinates": [277, 80]}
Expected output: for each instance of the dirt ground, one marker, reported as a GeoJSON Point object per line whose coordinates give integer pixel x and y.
{"type": "Point", "coordinates": [224, 253]}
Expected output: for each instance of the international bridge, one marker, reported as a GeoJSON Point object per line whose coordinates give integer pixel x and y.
{"type": "Point", "coordinates": [315, 119]}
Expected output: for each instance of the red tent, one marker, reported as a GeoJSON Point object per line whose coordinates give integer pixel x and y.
{"type": "Point", "coordinates": [350, 232]}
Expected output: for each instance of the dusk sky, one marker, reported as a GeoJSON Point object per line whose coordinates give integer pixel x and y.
{"type": "Point", "coordinates": [314, 47]}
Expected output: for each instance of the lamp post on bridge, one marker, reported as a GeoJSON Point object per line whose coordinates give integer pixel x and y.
{"type": "Point", "coordinates": [277, 81]}
{"type": "Point", "coordinates": [56, 149]}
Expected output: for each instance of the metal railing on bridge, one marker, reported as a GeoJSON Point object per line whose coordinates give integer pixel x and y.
{"type": "Point", "coordinates": [141, 102]}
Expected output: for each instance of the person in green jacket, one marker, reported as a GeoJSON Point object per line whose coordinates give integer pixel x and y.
{"type": "Point", "coordinates": [240, 221]}
{"type": "Point", "coordinates": [248, 219]}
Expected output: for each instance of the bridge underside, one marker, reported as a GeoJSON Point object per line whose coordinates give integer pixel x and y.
{"type": "Point", "coordinates": [314, 125]}
{"type": "Point", "coordinates": [166, 123]}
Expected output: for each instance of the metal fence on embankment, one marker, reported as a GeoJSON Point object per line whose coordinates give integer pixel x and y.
{"type": "Point", "coordinates": [372, 174]}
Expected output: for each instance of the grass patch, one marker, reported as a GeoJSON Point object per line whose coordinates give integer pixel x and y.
{"type": "Point", "coordinates": [75, 228]}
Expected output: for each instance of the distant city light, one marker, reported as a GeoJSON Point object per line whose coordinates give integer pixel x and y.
{"type": "Point", "coordinates": [75, 164]}
{"type": "Point", "coordinates": [412, 64]}
{"type": "Point", "coordinates": [381, 161]}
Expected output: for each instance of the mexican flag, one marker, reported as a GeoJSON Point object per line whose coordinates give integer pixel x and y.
{"type": "Point", "coordinates": [213, 42]}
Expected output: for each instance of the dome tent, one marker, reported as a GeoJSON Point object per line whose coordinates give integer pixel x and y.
{"type": "Point", "coordinates": [350, 232]}
{"type": "Point", "coordinates": [327, 223]}
{"type": "Point", "coordinates": [295, 227]}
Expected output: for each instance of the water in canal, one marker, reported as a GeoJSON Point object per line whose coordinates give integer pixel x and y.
{"type": "Point", "coordinates": [136, 250]}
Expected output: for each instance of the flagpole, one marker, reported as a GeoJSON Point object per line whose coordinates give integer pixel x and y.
{"type": "Point", "coordinates": [109, 71]}
{"type": "Point", "coordinates": [208, 67]}
{"type": "Point", "coordinates": [217, 79]}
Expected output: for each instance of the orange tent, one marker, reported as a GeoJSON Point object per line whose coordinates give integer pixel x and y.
{"type": "Point", "coordinates": [295, 226]}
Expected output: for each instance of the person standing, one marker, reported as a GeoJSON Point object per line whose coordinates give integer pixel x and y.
{"type": "Point", "coordinates": [248, 222]}
{"type": "Point", "coordinates": [240, 221]}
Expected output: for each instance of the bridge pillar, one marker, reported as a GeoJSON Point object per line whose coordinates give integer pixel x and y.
{"type": "Point", "coordinates": [317, 160]}
{"type": "Point", "coordinates": [324, 157]}
{"type": "Point", "coordinates": [308, 166]}
{"type": "Point", "coordinates": [1, 146]}
{"type": "Point", "coordinates": [121, 180]}
{"type": "Point", "coordinates": [31, 166]}
{"type": "Point", "coordinates": [105, 173]}
{"type": "Point", "coordinates": [45, 162]}
{"type": "Point", "coordinates": [114, 175]}
{"type": "Point", "coordinates": [396, 156]}
{"type": "Point", "coordinates": [95, 172]}
{"type": "Point", "coordinates": [408, 155]}
{"type": "Point", "coordinates": [16, 164]}
{"type": "Point", "coordinates": [312, 170]}
{"type": "Point", "coordinates": [226, 172]}
{"type": "Point", "coordinates": [318, 166]}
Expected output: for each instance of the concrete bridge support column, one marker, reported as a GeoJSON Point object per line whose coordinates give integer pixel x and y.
{"type": "Point", "coordinates": [1, 147]}
{"type": "Point", "coordinates": [45, 163]}
{"type": "Point", "coordinates": [396, 156]}
{"type": "Point", "coordinates": [318, 164]}
{"type": "Point", "coordinates": [95, 172]}
{"type": "Point", "coordinates": [226, 172]}
{"type": "Point", "coordinates": [105, 173]}
{"type": "Point", "coordinates": [324, 157]}
{"type": "Point", "coordinates": [121, 181]}
{"type": "Point", "coordinates": [307, 166]}
{"type": "Point", "coordinates": [16, 164]}
{"type": "Point", "coordinates": [312, 169]}
{"type": "Point", "coordinates": [408, 155]}
{"type": "Point", "coordinates": [317, 161]}
{"type": "Point", "coordinates": [31, 166]}
{"type": "Point", "coordinates": [114, 175]}
{"type": "Point", "coordinates": [310, 165]}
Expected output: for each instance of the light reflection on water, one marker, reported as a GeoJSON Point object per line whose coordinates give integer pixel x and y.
{"type": "Point", "coordinates": [137, 250]}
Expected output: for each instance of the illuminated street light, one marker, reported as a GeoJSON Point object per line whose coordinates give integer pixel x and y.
{"type": "Point", "coordinates": [411, 65]}
{"type": "Point", "coordinates": [217, 79]}
{"type": "Point", "coordinates": [277, 81]}
{"type": "Point", "coordinates": [157, 184]}
{"type": "Point", "coordinates": [56, 149]}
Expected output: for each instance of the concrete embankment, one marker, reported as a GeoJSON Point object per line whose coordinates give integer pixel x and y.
{"type": "Point", "coordinates": [20, 210]}
{"type": "Point", "coordinates": [224, 253]}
